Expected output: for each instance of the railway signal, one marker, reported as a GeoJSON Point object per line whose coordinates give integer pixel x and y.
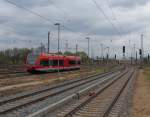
{"type": "Point", "coordinates": [123, 50]}
{"type": "Point", "coordinates": [136, 57]}
{"type": "Point", "coordinates": [58, 24]}
{"type": "Point", "coordinates": [107, 57]}
{"type": "Point", "coordinates": [140, 52]}
{"type": "Point", "coordinates": [88, 38]}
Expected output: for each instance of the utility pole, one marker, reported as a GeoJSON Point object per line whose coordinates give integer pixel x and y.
{"type": "Point", "coordinates": [107, 56]}
{"type": "Point", "coordinates": [108, 51]}
{"type": "Point", "coordinates": [136, 57]}
{"type": "Point", "coordinates": [148, 57]}
{"type": "Point", "coordinates": [66, 45]}
{"type": "Point", "coordinates": [76, 53]}
{"type": "Point", "coordinates": [48, 42]}
{"type": "Point", "coordinates": [142, 50]}
{"type": "Point", "coordinates": [58, 24]}
{"type": "Point", "coordinates": [102, 57]}
{"type": "Point", "coordinates": [88, 45]}
{"type": "Point", "coordinates": [101, 50]}
{"type": "Point", "coordinates": [131, 58]}
{"type": "Point", "coordinates": [76, 48]}
{"type": "Point", "coordinates": [88, 38]}
{"type": "Point", "coordinates": [41, 47]}
{"type": "Point", "coordinates": [134, 54]}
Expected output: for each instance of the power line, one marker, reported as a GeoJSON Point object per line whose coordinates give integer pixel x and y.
{"type": "Point", "coordinates": [61, 10]}
{"type": "Point", "coordinates": [101, 10]}
{"type": "Point", "coordinates": [32, 12]}
{"type": "Point", "coordinates": [112, 12]}
{"type": "Point", "coordinates": [114, 16]}
{"type": "Point", "coordinates": [37, 14]}
{"type": "Point", "coordinates": [42, 17]}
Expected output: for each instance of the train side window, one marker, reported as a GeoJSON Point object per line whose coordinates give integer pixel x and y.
{"type": "Point", "coordinates": [72, 62]}
{"type": "Point", "coordinates": [61, 62]}
{"type": "Point", "coordinates": [44, 63]}
{"type": "Point", "coordinates": [50, 62]}
{"type": "Point", "coordinates": [55, 63]}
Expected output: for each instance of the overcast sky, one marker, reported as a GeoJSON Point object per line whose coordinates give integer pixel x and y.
{"type": "Point", "coordinates": [116, 20]}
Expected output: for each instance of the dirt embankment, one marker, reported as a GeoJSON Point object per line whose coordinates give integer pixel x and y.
{"type": "Point", "coordinates": [141, 99]}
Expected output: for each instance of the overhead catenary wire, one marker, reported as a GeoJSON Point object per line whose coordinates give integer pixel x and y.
{"type": "Point", "coordinates": [65, 15]}
{"type": "Point", "coordinates": [37, 14]}
{"type": "Point", "coordinates": [44, 18]}
{"type": "Point", "coordinates": [30, 11]}
{"type": "Point", "coordinates": [114, 16]}
{"type": "Point", "coordinates": [52, 22]}
{"type": "Point", "coordinates": [107, 18]}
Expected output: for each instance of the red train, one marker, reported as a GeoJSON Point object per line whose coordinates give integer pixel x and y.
{"type": "Point", "coordinates": [50, 63]}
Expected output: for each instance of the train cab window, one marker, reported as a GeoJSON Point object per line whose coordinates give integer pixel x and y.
{"type": "Point", "coordinates": [44, 63]}
{"type": "Point", "coordinates": [31, 58]}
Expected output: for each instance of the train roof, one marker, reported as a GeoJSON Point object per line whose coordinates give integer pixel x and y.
{"type": "Point", "coordinates": [45, 55]}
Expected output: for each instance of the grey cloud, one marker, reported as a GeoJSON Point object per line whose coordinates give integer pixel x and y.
{"type": "Point", "coordinates": [128, 3]}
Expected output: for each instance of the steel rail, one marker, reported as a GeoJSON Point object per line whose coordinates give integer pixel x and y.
{"type": "Point", "coordinates": [88, 100]}
{"type": "Point", "coordinates": [46, 110]}
{"type": "Point", "coordinates": [118, 95]}
{"type": "Point", "coordinates": [4, 102]}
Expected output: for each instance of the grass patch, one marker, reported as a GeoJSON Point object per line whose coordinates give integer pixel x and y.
{"type": "Point", "coordinates": [146, 72]}
{"type": "Point", "coordinates": [100, 70]}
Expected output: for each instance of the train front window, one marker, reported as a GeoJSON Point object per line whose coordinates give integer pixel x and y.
{"type": "Point", "coordinates": [31, 58]}
{"type": "Point", "coordinates": [44, 63]}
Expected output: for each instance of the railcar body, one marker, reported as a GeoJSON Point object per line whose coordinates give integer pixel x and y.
{"type": "Point", "coordinates": [51, 63]}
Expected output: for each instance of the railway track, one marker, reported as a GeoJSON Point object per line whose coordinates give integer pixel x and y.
{"type": "Point", "coordinates": [52, 94]}
{"type": "Point", "coordinates": [101, 103]}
